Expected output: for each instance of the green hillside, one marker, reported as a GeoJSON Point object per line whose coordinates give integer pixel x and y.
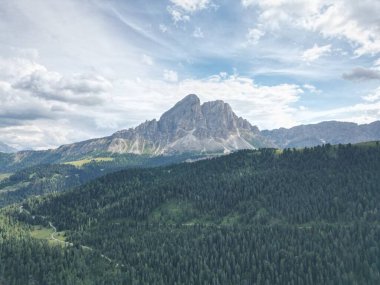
{"type": "Point", "coordinates": [306, 216]}
{"type": "Point", "coordinates": [50, 178]}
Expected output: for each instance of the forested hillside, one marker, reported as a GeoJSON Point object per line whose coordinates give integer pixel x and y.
{"type": "Point", "coordinates": [49, 178]}
{"type": "Point", "coordinates": [306, 216]}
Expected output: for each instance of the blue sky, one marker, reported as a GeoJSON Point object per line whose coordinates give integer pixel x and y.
{"type": "Point", "coordinates": [72, 70]}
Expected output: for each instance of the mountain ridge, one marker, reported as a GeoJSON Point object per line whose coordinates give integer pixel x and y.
{"type": "Point", "coordinates": [211, 127]}
{"type": "Point", "coordinates": [187, 127]}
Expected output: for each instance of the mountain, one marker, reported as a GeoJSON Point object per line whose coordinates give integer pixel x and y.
{"type": "Point", "coordinates": [6, 148]}
{"type": "Point", "coordinates": [193, 128]}
{"type": "Point", "coordinates": [187, 127]}
{"type": "Point", "coordinates": [332, 132]}
{"type": "Point", "coordinates": [251, 217]}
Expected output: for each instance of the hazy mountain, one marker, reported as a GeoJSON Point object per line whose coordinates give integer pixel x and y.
{"type": "Point", "coordinates": [6, 148]}
{"type": "Point", "coordinates": [332, 132]}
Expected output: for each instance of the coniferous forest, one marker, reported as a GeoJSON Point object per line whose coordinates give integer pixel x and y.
{"type": "Point", "coordinates": [307, 216]}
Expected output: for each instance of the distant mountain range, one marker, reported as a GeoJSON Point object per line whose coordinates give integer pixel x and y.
{"type": "Point", "coordinates": [6, 148]}
{"type": "Point", "coordinates": [214, 127]}
{"type": "Point", "coordinates": [211, 127]}
{"type": "Point", "coordinates": [187, 127]}
{"type": "Point", "coordinates": [332, 132]}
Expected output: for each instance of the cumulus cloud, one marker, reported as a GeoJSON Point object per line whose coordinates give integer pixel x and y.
{"type": "Point", "coordinates": [180, 10]}
{"type": "Point", "coordinates": [28, 76]}
{"type": "Point", "coordinates": [191, 5]}
{"type": "Point", "coordinates": [315, 52]}
{"type": "Point", "coordinates": [362, 74]}
{"type": "Point", "coordinates": [178, 15]}
{"type": "Point", "coordinates": [34, 98]}
{"type": "Point", "coordinates": [373, 97]}
{"type": "Point", "coordinates": [265, 106]}
{"type": "Point", "coordinates": [311, 88]}
{"type": "Point", "coordinates": [355, 21]}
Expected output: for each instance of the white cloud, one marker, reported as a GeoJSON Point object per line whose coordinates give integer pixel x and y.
{"type": "Point", "coordinates": [147, 59]}
{"type": "Point", "coordinates": [170, 75]}
{"type": "Point", "coordinates": [311, 88]}
{"type": "Point", "coordinates": [266, 106]}
{"type": "Point", "coordinates": [34, 98]}
{"type": "Point", "coordinates": [191, 5]}
{"type": "Point", "coordinates": [354, 21]}
{"type": "Point", "coordinates": [198, 33]}
{"type": "Point", "coordinates": [177, 15]}
{"type": "Point", "coordinates": [27, 120]}
{"type": "Point", "coordinates": [29, 76]}
{"type": "Point", "coordinates": [180, 10]}
{"type": "Point", "coordinates": [315, 52]}
{"type": "Point", "coordinates": [373, 97]}
{"type": "Point", "coordinates": [82, 89]}
{"type": "Point", "coordinates": [254, 35]}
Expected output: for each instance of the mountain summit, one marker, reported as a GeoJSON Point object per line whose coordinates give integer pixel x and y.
{"type": "Point", "coordinates": [190, 127]}
{"type": "Point", "coordinates": [186, 127]}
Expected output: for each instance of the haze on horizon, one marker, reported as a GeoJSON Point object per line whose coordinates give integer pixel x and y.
{"type": "Point", "coordinates": [73, 70]}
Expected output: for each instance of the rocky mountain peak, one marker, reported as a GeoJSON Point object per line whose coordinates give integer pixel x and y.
{"type": "Point", "coordinates": [189, 126]}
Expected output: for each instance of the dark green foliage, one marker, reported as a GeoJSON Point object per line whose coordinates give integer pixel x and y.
{"type": "Point", "coordinates": [306, 216]}
{"type": "Point", "coordinates": [49, 178]}
{"type": "Point", "coordinates": [24, 261]}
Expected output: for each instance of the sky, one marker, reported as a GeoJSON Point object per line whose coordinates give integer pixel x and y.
{"type": "Point", "coordinates": [74, 70]}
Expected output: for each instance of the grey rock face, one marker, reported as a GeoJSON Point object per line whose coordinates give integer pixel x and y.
{"type": "Point", "coordinates": [189, 126]}
{"type": "Point", "coordinates": [210, 127]}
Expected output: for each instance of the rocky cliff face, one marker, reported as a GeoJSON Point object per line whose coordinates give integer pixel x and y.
{"type": "Point", "coordinates": [187, 127]}
{"type": "Point", "coordinates": [190, 127]}
{"type": "Point", "coordinates": [209, 127]}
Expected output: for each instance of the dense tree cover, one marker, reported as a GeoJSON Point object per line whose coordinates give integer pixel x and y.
{"type": "Point", "coordinates": [42, 179]}
{"type": "Point", "coordinates": [25, 260]}
{"type": "Point", "coordinates": [12, 162]}
{"type": "Point", "coordinates": [50, 178]}
{"type": "Point", "coordinates": [306, 216]}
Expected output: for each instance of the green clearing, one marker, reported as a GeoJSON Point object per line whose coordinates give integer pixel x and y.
{"type": "Point", "coordinates": [39, 232]}
{"type": "Point", "coordinates": [368, 144]}
{"type": "Point", "coordinates": [173, 212]}
{"type": "Point", "coordinates": [231, 219]}
{"type": "Point", "coordinates": [4, 176]}
{"type": "Point", "coordinates": [80, 163]}
{"type": "Point", "coordinates": [14, 187]}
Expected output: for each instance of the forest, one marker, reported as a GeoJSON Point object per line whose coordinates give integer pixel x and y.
{"type": "Point", "coordinates": [33, 180]}
{"type": "Point", "coordinates": [297, 216]}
